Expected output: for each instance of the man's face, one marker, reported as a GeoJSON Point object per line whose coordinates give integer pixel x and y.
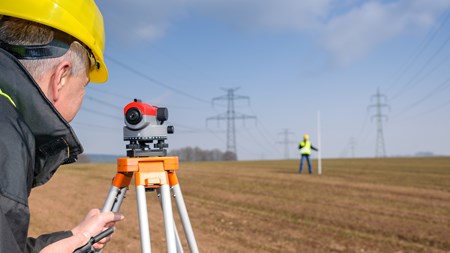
{"type": "Point", "coordinates": [72, 94]}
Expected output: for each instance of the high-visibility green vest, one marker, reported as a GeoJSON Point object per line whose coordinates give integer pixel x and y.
{"type": "Point", "coordinates": [306, 147]}
{"type": "Point", "coordinates": [8, 97]}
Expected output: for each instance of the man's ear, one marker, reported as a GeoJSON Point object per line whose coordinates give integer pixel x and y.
{"type": "Point", "coordinates": [60, 78]}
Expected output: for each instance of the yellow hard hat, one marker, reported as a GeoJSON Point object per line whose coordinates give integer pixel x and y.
{"type": "Point", "coordinates": [78, 18]}
{"type": "Point", "coordinates": [306, 137]}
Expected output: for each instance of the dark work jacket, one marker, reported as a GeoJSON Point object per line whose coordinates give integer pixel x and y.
{"type": "Point", "coordinates": [34, 141]}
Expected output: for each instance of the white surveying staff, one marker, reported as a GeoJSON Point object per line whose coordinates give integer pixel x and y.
{"type": "Point", "coordinates": [319, 154]}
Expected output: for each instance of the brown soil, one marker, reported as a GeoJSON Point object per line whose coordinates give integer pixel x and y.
{"type": "Point", "coordinates": [358, 205]}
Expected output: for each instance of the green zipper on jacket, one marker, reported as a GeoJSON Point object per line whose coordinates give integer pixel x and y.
{"type": "Point", "coordinates": [8, 97]}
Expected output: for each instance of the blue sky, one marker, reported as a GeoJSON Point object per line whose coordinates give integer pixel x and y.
{"type": "Point", "coordinates": [292, 59]}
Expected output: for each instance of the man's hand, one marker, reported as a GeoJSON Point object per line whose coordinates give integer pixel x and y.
{"type": "Point", "coordinates": [94, 223]}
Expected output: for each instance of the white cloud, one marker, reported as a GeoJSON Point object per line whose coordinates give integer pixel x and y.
{"type": "Point", "coordinates": [357, 32]}
{"type": "Point", "coordinates": [143, 19]}
{"type": "Point", "coordinates": [139, 20]}
{"type": "Point", "coordinates": [346, 29]}
{"type": "Point", "coordinates": [148, 31]}
{"type": "Point", "coordinates": [266, 15]}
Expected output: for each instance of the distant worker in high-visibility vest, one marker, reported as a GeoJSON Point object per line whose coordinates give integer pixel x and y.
{"type": "Point", "coordinates": [305, 150]}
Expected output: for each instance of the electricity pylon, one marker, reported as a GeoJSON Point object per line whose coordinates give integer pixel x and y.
{"type": "Point", "coordinates": [286, 142]}
{"type": "Point", "coordinates": [380, 150]}
{"type": "Point", "coordinates": [230, 116]}
{"type": "Point", "coordinates": [352, 144]}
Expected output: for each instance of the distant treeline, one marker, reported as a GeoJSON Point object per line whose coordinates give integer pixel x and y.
{"type": "Point", "coordinates": [198, 154]}
{"type": "Point", "coordinates": [184, 154]}
{"type": "Point", "coordinates": [97, 158]}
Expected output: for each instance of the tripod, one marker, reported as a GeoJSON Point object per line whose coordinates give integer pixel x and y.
{"type": "Point", "coordinates": [153, 170]}
{"type": "Point", "coordinates": [152, 173]}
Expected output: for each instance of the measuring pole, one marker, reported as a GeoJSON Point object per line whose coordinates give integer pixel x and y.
{"type": "Point", "coordinates": [319, 156]}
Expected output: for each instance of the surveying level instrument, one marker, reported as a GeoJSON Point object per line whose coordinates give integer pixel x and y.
{"type": "Point", "coordinates": [143, 125]}
{"type": "Point", "coordinates": [152, 170]}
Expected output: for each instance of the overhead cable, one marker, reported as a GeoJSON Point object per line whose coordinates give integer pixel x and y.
{"type": "Point", "coordinates": [153, 80]}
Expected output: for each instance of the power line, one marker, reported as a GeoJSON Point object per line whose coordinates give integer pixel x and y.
{"type": "Point", "coordinates": [94, 126]}
{"type": "Point", "coordinates": [363, 126]}
{"type": "Point", "coordinates": [108, 92]}
{"type": "Point", "coordinates": [424, 45]}
{"type": "Point", "coordinates": [153, 80]}
{"type": "Point", "coordinates": [444, 85]}
{"type": "Point", "coordinates": [251, 139]}
{"type": "Point", "coordinates": [103, 102]}
{"type": "Point", "coordinates": [418, 73]}
{"type": "Point", "coordinates": [434, 109]}
{"type": "Point", "coordinates": [254, 139]}
{"type": "Point", "coordinates": [265, 133]}
{"type": "Point", "coordinates": [99, 113]}
{"type": "Point", "coordinates": [190, 108]}
{"type": "Point", "coordinates": [117, 117]}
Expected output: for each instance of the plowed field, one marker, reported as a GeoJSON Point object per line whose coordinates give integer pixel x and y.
{"type": "Point", "coordinates": [359, 205]}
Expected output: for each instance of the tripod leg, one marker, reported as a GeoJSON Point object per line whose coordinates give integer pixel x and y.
{"type": "Point", "coordinates": [119, 200]}
{"type": "Point", "coordinates": [110, 199]}
{"type": "Point", "coordinates": [168, 218]}
{"type": "Point", "coordinates": [177, 237]}
{"type": "Point", "coordinates": [117, 192]}
{"type": "Point", "coordinates": [143, 219]}
{"type": "Point", "coordinates": [179, 200]}
{"type": "Point", "coordinates": [113, 202]}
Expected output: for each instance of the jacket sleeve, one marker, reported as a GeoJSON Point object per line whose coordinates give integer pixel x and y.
{"type": "Point", "coordinates": [37, 244]}
{"type": "Point", "coordinates": [314, 148]}
{"type": "Point", "coordinates": [16, 170]}
{"type": "Point", "coordinates": [8, 241]}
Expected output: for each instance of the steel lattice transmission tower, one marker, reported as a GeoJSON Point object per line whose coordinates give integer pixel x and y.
{"type": "Point", "coordinates": [286, 142]}
{"type": "Point", "coordinates": [231, 116]}
{"type": "Point", "coordinates": [380, 150]}
{"type": "Point", "coordinates": [352, 144]}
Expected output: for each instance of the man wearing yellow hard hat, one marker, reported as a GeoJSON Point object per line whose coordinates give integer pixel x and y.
{"type": "Point", "coordinates": [49, 50]}
{"type": "Point", "coordinates": [305, 147]}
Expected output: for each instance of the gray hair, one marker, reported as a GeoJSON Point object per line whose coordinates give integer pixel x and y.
{"type": "Point", "coordinates": [22, 32]}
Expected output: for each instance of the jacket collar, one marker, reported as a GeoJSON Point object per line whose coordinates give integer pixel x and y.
{"type": "Point", "coordinates": [56, 142]}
